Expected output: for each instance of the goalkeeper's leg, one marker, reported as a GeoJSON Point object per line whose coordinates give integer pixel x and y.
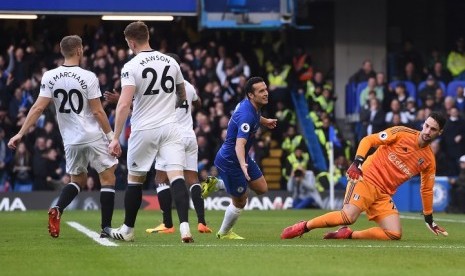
{"type": "Point", "coordinates": [389, 229]}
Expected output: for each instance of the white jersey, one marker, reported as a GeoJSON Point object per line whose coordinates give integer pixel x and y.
{"type": "Point", "coordinates": [155, 76]}
{"type": "Point", "coordinates": [184, 112]}
{"type": "Point", "coordinates": [70, 88]}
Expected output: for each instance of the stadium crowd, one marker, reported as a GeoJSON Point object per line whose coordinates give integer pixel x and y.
{"type": "Point", "coordinates": [218, 66]}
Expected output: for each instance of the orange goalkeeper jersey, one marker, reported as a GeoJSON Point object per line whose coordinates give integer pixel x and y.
{"type": "Point", "coordinates": [397, 159]}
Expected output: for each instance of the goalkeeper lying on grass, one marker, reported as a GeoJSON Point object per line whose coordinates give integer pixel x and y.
{"type": "Point", "coordinates": [401, 154]}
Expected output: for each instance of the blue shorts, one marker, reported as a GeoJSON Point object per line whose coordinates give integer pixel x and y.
{"type": "Point", "coordinates": [233, 177]}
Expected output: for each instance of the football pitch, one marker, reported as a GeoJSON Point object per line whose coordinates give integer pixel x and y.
{"type": "Point", "coordinates": [27, 249]}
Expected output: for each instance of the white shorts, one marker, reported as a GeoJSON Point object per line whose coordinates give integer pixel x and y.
{"type": "Point", "coordinates": [164, 142]}
{"type": "Point", "coordinates": [78, 157]}
{"type": "Point", "coordinates": [192, 151]}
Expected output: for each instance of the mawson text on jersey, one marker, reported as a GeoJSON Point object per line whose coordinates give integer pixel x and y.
{"type": "Point", "coordinates": [146, 60]}
{"type": "Point", "coordinates": [68, 75]}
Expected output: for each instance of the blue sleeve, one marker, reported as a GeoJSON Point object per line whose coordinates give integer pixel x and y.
{"type": "Point", "coordinates": [244, 125]}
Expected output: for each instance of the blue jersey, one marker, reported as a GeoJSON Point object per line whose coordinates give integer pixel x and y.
{"type": "Point", "coordinates": [244, 123]}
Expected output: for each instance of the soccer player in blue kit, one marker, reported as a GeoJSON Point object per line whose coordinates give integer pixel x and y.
{"type": "Point", "coordinates": [237, 170]}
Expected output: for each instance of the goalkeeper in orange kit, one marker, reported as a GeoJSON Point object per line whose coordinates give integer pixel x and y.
{"type": "Point", "coordinates": [401, 154]}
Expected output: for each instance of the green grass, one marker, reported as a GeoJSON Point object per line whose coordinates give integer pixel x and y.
{"type": "Point", "coordinates": [27, 249]}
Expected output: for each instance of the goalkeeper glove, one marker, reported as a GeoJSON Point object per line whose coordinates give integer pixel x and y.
{"type": "Point", "coordinates": [354, 173]}
{"type": "Point", "coordinates": [433, 227]}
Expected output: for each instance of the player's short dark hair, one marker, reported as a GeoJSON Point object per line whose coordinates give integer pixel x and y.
{"type": "Point", "coordinates": [69, 44]}
{"type": "Point", "coordinates": [440, 118]}
{"type": "Point", "coordinates": [249, 85]}
{"type": "Point", "coordinates": [175, 57]}
{"type": "Point", "coordinates": [137, 31]}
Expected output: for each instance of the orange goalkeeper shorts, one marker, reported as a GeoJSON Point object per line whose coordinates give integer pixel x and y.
{"type": "Point", "coordinates": [370, 199]}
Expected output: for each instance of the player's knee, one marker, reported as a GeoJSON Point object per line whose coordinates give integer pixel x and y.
{"type": "Point", "coordinates": [348, 218]}
{"type": "Point", "coordinates": [261, 190]}
{"type": "Point", "coordinates": [393, 235]}
{"type": "Point", "coordinates": [239, 202]}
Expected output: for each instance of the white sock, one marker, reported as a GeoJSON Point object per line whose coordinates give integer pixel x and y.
{"type": "Point", "coordinates": [126, 229]}
{"type": "Point", "coordinates": [230, 217]}
{"type": "Point", "coordinates": [220, 185]}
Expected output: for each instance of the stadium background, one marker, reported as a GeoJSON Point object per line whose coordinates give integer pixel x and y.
{"type": "Point", "coordinates": [336, 35]}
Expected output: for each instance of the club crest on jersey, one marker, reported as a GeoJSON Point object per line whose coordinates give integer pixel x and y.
{"type": "Point", "coordinates": [240, 189]}
{"type": "Point", "coordinates": [420, 161]}
{"type": "Point", "coordinates": [245, 127]}
{"type": "Point", "coordinates": [383, 135]}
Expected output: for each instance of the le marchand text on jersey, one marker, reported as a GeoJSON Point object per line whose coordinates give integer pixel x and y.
{"type": "Point", "coordinates": [68, 75]}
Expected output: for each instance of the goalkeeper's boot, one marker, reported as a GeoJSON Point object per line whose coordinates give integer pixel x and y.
{"type": "Point", "coordinates": [296, 230]}
{"type": "Point", "coordinates": [209, 186]}
{"type": "Point", "coordinates": [122, 233]}
{"type": "Point", "coordinates": [342, 233]}
{"type": "Point", "coordinates": [54, 217]}
{"type": "Point", "coordinates": [161, 229]}
{"type": "Point", "coordinates": [186, 236]}
{"type": "Point", "coordinates": [229, 236]}
{"type": "Point", "coordinates": [203, 228]}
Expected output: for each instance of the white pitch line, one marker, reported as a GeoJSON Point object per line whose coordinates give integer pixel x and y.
{"type": "Point", "coordinates": [91, 234]}
{"type": "Point", "coordinates": [436, 219]}
{"type": "Point", "coordinates": [303, 246]}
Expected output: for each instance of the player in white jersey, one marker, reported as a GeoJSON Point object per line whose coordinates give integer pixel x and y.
{"type": "Point", "coordinates": [186, 126]}
{"type": "Point", "coordinates": [155, 82]}
{"type": "Point", "coordinates": [84, 127]}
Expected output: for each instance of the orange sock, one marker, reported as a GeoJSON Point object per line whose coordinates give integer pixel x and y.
{"type": "Point", "coordinates": [376, 233]}
{"type": "Point", "coordinates": [330, 219]}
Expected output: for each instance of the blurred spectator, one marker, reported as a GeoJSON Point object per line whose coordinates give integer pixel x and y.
{"type": "Point", "coordinates": [460, 99]}
{"type": "Point", "coordinates": [411, 109]}
{"type": "Point", "coordinates": [90, 184]}
{"type": "Point", "coordinates": [395, 113]}
{"type": "Point", "coordinates": [429, 89]}
{"type": "Point", "coordinates": [409, 55]}
{"type": "Point", "coordinates": [372, 119]}
{"type": "Point", "coordinates": [22, 68]}
{"type": "Point", "coordinates": [401, 94]}
{"type": "Point", "coordinates": [22, 171]}
{"type": "Point", "coordinates": [295, 160]}
{"type": "Point", "coordinates": [54, 171]}
{"type": "Point", "coordinates": [456, 60]}
{"type": "Point", "coordinates": [441, 74]}
{"type": "Point", "coordinates": [364, 73]}
{"type": "Point", "coordinates": [4, 158]}
{"type": "Point", "coordinates": [457, 191]}
{"type": "Point", "coordinates": [441, 160]}
{"type": "Point", "coordinates": [40, 164]}
{"type": "Point", "coordinates": [205, 152]}
{"type": "Point", "coordinates": [371, 86]}
{"type": "Point", "coordinates": [435, 56]}
{"type": "Point", "coordinates": [453, 140]}
{"type": "Point", "coordinates": [302, 186]}
{"type": "Point", "coordinates": [410, 73]}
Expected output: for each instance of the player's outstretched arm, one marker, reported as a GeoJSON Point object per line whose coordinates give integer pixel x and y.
{"type": "Point", "coordinates": [36, 110]}
{"type": "Point", "coordinates": [433, 227]}
{"type": "Point", "coordinates": [269, 123]}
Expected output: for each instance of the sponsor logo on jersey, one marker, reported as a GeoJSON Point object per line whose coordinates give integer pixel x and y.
{"type": "Point", "coordinates": [124, 75]}
{"type": "Point", "coordinates": [383, 135]}
{"type": "Point", "coordinates": [240, 189]}
{"type": "Point", "coordinates": [134, 165]}
{"type": "Point", "coordinates": [399, 164]}
{"type": "Point", "coordinates": [245, 127]}
{"type": "Point", "coordinates": [356, 196]}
